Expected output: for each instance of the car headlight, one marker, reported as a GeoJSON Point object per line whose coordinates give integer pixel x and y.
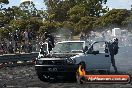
{"type": "Point", "coordinates": [41, 56]}
{"type": "Point", "coordinates": [70, 61]}
{"type": "Point", "coordinates": [39, 62]}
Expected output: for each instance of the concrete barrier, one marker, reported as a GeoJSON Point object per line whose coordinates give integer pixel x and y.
{"type": "Point", "coordinates": [18, 57]}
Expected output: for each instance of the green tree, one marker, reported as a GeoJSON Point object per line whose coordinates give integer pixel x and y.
{"type": "Point", "coordinates": [1, 19]}
{"type": "Point", "coordinates": [4, 32]}
{"type": "Point", "coordinates": [85, 24]}
{"type": "Point", "coordinates": [68, 25]}
{"type": "Point", "coordinates": [49, 27]}
{"type": "Point", "coordinates": [34, 23]}
{"type": "Point", "coordinates": [29, 9]}
{"type": "Point", "coordinates": [9, 14]}
{"type": "Point", "coordinates": [3, 2]}
{"type": "Point", "coordinates": [115, 16]}
{"type": "Point", "coordinates": [92, 8]}
{"type": "Point", "coordinates": [57, 9]}
{"type": "Point", "coordinates": [18, 24]}
{"type": "Point", "coordinates": [75, 12]}
{"type": "Point", "coordinates": [127, 22]}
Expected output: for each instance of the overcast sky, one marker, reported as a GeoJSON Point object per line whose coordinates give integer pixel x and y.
{"type": "Point", "coordinates": [118, 4]}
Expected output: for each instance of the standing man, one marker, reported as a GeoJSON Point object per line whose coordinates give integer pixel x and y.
{"type": "Point", "coordinates": [82, 37]}
{"type": "Point", "coordinates": [50, 40]}
{"type": "Point", "coordinates": [113, 48]}
{"type": "Point", "coordinates": [26, 38]}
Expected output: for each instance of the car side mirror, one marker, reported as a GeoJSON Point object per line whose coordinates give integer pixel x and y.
{"type": "Point", "coordinates": [51, 51]}
{"type": "Point", "coordinates": [95, 52]}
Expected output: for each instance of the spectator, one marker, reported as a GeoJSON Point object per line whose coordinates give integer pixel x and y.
{"type": "Point", "coordinates": [26, 36]}
{"type": "Point", "coordinates": [22, 47]}
{"type": "Point", "coordinates": [1, 49]}
{"type": "Point", "coordinates": [50, 40]}
{"type": "Point", "coordinates": [10, 48]}
{"type": "Point", "coordinates": [16, 36]}
{"type": "Point", "coordinates": [29, 48]}
{"type": "Point", "coordinates": [82, 37]}
{"type": "Point", "coordinates": [10, 36]}
{"type": "Point", "coordinates": [30, 35]}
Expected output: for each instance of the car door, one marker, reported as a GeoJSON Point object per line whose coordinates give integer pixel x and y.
{"type": "Point", "coordinates": [98, 57]}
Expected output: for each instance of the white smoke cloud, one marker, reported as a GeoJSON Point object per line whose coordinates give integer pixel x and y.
{"type": "Point", "coordinates": [123, 1]}
{"type": "Point", "coordinates": [37, 3]}
{"type": "Point", "coordinates": [25, 0]}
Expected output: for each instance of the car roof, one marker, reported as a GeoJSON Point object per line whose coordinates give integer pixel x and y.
{"type": "Point", "coordinates": [71, 41]}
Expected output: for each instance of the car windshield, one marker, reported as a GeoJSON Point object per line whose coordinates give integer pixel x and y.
{"type": "Point", "coordinates": [67, 47]}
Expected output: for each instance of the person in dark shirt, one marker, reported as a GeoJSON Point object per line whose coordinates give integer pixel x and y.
{"type": "Point", "coordinates": [10, 48]}
{"type": "Point", "coordinates": [113, 48]}
{"type": "Point", "coordinates": [50, 40]}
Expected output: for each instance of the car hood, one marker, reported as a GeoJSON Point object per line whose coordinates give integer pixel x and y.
{"type": "Point", "coordinates": [60, 56]}
{"type": "Point", "coordinates": [63, 55]}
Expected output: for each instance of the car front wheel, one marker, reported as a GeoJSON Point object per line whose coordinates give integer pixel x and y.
{"type": "Point", "coordinates": [43, 77]}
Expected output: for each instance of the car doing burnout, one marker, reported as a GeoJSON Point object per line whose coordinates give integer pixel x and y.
{"type": "Point", "coordinates": [66, 57]}
{"type": "Point", "coordinates": [59, 62]}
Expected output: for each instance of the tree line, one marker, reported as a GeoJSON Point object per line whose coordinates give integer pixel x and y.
{"type": "Point", "coordinates": [74, 15]}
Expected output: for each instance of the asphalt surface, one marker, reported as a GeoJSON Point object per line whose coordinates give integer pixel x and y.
{"type": "Point", "coordinates": [124, 59]}
{"type": "Point", "coordinates": [25, 77]}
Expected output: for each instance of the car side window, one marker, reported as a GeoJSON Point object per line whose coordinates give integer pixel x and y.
{"type": "Point", "coordinates": [100, 47]}
{"type": "Point", "coordinates": [90, 50]}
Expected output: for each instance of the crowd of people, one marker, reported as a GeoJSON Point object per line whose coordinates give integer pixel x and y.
{"type": "Point", "coordinates": [25, 42]}
{"type": "Point", "coordinates": [15, 47]}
